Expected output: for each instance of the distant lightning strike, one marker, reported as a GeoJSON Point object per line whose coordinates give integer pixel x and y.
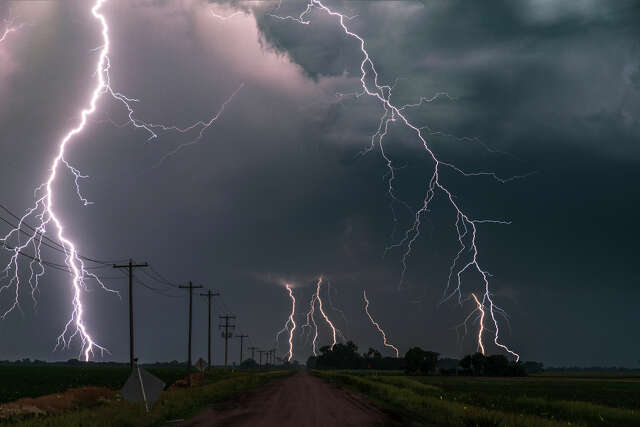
{"type": "Point", "coordinates": [481, 328]}
{"type": "Point", "coordinates": [45, 214]}
{"type": "Point", "coordinates": [290, 325]}
{"type": "Point", "coordinates": [318, 298]}
{"type": "Point", "coordinates": [377, 325]}
{"type": "Point", "coordinates": [465, 225]}
{"type": "Point", "coordinates": [312, 321]}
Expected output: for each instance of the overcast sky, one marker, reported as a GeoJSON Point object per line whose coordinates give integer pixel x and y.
{"type": "Point", "coordinates": [275, 192]}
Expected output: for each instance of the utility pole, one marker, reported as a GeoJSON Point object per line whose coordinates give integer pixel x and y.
{"type": "Point", "coordinates": [191, 287]}
{"type": "Point", "coordinates": [131, 266]}
{"type": "Point", "coordinates": [253, 353]}
{"type": "Point", "coordinates": [260, 354]}
{"type": "Point", "coordinates": [209, 296]}
{"type": "Point", "coordinates": [226, 335]}
{"type": "Point", "coordinates": [242, 337]}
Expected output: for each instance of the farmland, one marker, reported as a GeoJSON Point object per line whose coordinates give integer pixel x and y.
{"type": "Point", "coordinates": [33, 380]}
{"type": "Point", "coordinates": [528, 401]}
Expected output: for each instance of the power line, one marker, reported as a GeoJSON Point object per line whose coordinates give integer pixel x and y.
{"type": "Point", "coordinates": [52, 243]}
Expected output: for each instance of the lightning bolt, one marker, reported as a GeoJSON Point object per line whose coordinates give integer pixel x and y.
{"type": "Point", "coordinates": [466, 226]}
{"type": "Point", "coordinates": [311, 320]}
{"type": "Point", "coordinates": [318, 299]}
{"type": "Point", "coordinates": [10, 27]}
{"type": "Point", "coordinates": [377, 325]}
{"type": "Point", "coordinates": [480, 330]}
{"type": "Point", "coordinates": [44, 208]}
{"type": "Point", "coordinates": [222, 17]}
{"type": "Point", "coordinates": [290, 325]}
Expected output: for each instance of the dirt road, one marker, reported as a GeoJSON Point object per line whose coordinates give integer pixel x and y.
{"type": "Point", "coordinates": [301, 400]}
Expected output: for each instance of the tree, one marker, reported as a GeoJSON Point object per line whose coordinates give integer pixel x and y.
{"type": "Point", "coordinates": [312, 362]}
{"type": "Point", "coordinates": [420, 361]}
{"type": "Point", "coordinates": [496, 365]}
{"type": "Point", "coordinates": [372, 353]}
{"type": "Point", "coordinates": [341, 356]}
{"type": "Point", "coordinates": [478, 362]}
{"type": "Point", "coordinates": [465, 364]}
{"type": "Point", "coordinates": [249, 364]}
{"type": "Point", "coordinates": [532, 367]}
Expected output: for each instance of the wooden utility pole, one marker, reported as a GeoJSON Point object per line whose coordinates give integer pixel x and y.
{"type": "Point", "coordinates": [209, 296]}
{"type": "Point", "coordinates": [253, 353]}
{"type": "Point", "coordinates": [130, 267]}
{"type": "Point", "coordinates": [260, 354]}
{"type": "Point", "coordinates": [226, 335]}
{"type": "Point", "coordinates": [242, 337]}
{"type": "Point", "coordinates": [191, 287]}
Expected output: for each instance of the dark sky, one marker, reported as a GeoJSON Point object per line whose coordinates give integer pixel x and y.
{"type": "Point", "coordinates": [275, 191]}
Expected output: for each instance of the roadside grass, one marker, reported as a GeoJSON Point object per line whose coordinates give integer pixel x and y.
{"type": "Point", "coordinates": [432, 404]}
{"type": "Point", "coordinates": [173, 404]}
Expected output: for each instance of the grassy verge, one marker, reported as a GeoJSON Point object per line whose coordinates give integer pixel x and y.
{"type": "Point", "coordinates": [173, 404]}
{"type": "Point", "coordinates": [428, 404]}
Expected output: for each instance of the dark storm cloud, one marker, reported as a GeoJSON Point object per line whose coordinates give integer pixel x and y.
{"type": "Point", "coordinates": [275, 191]}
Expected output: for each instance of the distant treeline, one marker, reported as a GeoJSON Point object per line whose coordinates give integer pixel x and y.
{"type": "Point", "coordinates": [417, 361]}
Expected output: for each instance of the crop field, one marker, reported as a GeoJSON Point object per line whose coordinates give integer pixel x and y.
{"type": "Point", "coordinates": [477, 401]}
{"type": "Point", "coordinates": [37, 380]}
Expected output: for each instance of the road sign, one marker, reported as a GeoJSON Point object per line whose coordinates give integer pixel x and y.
{"type": "Point", "coordinates": [141, 386]}
{"type": "Point", "coordinates": [201, 365]}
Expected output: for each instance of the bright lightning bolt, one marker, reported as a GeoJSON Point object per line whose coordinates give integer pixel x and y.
{"type": "Point", "coordinates": [311, 320]}
{"type": "Point", "coordinates": [290, 325]}
{"type": "Point", "coordinates": [466, 226]}
{"type": "Point", "coordinates": [10, 27]}
{"type": "Point", "coordinates": [377, 325]}
{"type": "Point", "coordinates": [222, 17]}
{"type": "Point", "coordinates": [480, 330]}
{"type": "Point", "coordinates": [45, 214]}
{"type": "Point", "coordinates": [43, 210]}
{"type": "Point", "coordinates": [318, 298]}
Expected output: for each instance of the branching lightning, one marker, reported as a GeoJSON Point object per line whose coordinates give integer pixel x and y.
{"type": "Point", "coordinates": [316, 298]}
{"type": "Point", "coordinates": [223, 17]}
{"type": "Point", "coordinates": [290, 325]}
{"type": "Point", "coordinates": [44, 209]}
{"type": "Point", "coordinates": [312, 321]}
{"type": "Point", "coordinates": [481, 328]}
{"type": "Point", "coordinates": [377, 325]}
{"type": "Point", "coordinates": [9, 27]}
{"type": "Point", "coordinates": [465, 225]}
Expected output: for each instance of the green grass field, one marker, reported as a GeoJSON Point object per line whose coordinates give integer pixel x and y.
{"type": "Point", "coordinates": [38, 380]}
{"type": "Point", "coordinates": [473, 401]}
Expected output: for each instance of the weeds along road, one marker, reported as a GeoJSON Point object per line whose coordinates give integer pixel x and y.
{"type": "Point", "coordinates": [301, 400]}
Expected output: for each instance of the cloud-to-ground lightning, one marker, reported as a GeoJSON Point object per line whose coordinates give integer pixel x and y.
{"type": "Point", "coordinates": [481, 328]}
{"type": "Point", "coordinates": [317, 298]}
{"type": "Point", "coordinates": [312, 321]}
{"type": "Point", "coordinates": [290, 325]}
{"type": "Point", "coordinates": [44, 211]}
{"type": "Point", "coordinates": [377, 325]}
{"type": "Point", "coordinates": [466, 226]}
